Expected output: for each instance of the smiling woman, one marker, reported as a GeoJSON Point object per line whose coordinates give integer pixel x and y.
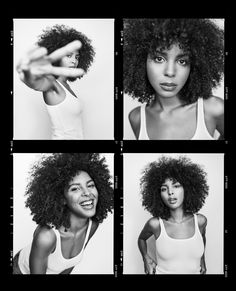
{"type": "Point", "coordinates": [69, 196]}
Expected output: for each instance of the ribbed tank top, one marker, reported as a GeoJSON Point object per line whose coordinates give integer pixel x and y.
{"type": "Point", "coordinates": [56, 262]}
{"type": "Point", "coordinates": [66, 117]}
{"type": "Point", "coordinates": [201, 132]}
{"type": "Point", "coordinates": [179, 256]}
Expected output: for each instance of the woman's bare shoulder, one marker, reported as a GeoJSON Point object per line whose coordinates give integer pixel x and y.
{"type": "Point", "coordinates": [44, 236]}
{"type": "Point", "coordinates": [134, 115]}
{"type": "Point", "coordinates": [154, 222]}
{"type": "Point", "coordinates": [202, 220]}
{"type": "Point", "coordinates": [214, 105]}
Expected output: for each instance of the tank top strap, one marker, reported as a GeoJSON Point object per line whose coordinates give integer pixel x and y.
{"type": "Point", "coordinates": [58, 243]}
{"type": "Point", "coordinates": [200, 113]}
{"type": "Point", "coordinates": [143, 128]}
{"type": "Point", "coordinates": [58, 236]}
{"type": "Point", "coordinates": [66, 90]}
{"type": "Point", "coordinates": [197, 230]}
{"type": "Point", "coordinates": [163, 230]}
{"type": "Point", "coordinates": [87, 233]}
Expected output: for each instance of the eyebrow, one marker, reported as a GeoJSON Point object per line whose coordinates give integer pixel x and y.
{"type": "Point", "coordinates": [78, 184]}
{"type": "Point", "coordinates": [181, 55]}
{"type": "Point", "coordinates": [173, 182]}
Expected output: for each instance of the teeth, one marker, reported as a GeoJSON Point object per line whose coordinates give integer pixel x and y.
{"type": "Point", "coordinates": [86, 203]}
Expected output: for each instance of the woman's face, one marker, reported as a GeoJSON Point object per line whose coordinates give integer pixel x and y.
{"type": "Point", "coordinates": [172, 194]}
{"type": "Point", "coordinates": [81, 195]}
{"type": "Point", "coordinates": [71, 60]}
{"type": "Point", "coordinates": [168, 70]}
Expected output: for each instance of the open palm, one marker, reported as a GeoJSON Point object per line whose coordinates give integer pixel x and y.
{"type": "Point", "coordinates": [36, 68]}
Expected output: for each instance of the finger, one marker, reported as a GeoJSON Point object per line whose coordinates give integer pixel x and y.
{"type": "Point", "coordinates": [38, 53]}
{"type": "Point", "coordinates": [32, 55]}
{"type": "Point", "coordinates": [67, 49]}
{"type": "Point", "coordinates": [58, 71]}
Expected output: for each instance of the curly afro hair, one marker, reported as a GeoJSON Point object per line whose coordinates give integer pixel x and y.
{"type": "Point", "coordinates": [202, 39]}
{"type": "Point", "coordinates": [49, 177]}
{"type": "Point", "coordinates": [58, 36]}
{"type": "Point", "coordinates": [190, 175]}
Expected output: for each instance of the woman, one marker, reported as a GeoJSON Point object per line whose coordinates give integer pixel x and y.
{"type": "Point", "coordinates": [69, 195]}
{"type": "Point", "coordinates": [172, 65]}
{"type": "Point", "coordinates": [173, 191]}
{"type": "Point", "coordinates": [62, 55]}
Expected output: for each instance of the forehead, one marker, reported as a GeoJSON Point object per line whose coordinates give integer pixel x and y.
{"type": "Point", "coordinates": [174, 49]}
{"type": "Point", "coordinates": [79, 177]}
{"type": "Point", "coordinates": [169, 181]}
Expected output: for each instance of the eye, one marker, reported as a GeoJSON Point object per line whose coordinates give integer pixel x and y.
{"type": "Point", "coordinates": [183, 62]}
{"type": "Point", "coordinates": [177, 185]}
{"type": "Point", "coordinates": [75, 188]}
{"type": "Point", "coordinates": [163, 189]}
{"type": "Point", "coordinates": [69, 56]}
{"type": "Point", "coordinates": [91, 186]}
{"type": "Point", "coordinates": [158, 59]}
{"type": "Point", "coordinates": [77, 57]}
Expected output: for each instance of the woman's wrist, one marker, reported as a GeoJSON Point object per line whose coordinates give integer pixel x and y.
{"type": "Point", "coordinates": [146, 257]}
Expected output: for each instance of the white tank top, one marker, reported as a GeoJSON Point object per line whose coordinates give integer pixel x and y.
{"type": "Point", "coordinates": [201, 132]}
{"type": "Point", "coordinates": [179, 256]}
{"type": "Point", "coordinates": [66, 117]}
{"type": "Point", "coordinates": [56, 262]}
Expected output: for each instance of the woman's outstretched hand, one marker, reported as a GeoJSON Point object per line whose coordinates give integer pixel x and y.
{"type": "Point", "coordinates": [37, 72]}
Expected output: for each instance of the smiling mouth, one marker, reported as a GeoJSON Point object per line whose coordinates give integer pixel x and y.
{"type": "Point", "coordinates": [88, 204]}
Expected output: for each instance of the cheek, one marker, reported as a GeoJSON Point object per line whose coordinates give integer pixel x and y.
{"type": "Point", "coordinates": [63, 62]}
{"type": "Point", "coordinates": [96, 194]}
{"type": "Point", "coordinates": [184, 74]}
{"type": "Point", "coordinates": [71, 198]}
{"type": "Point", "coordinates": [153, 72]}
{"type": "Point", "coordinates": [181, 194]}
{"type": "Point", "coordinates": [164, 196]}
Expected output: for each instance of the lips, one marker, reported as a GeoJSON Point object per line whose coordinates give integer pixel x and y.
{"type": "Point", "coordinates": [172, 200]}
{"type": "Point", "coordinates": [168, 86]}
{"type": "Point", "coordinates": [87, 204]}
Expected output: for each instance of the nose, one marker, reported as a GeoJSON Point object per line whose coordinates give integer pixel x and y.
{"type": "Point", "coordinates": [170, 69]}
{"type": "Point", "coordinates": [86, 192]}
{"type": "Point", "coordinates": [170, 191]}
{"type": "Point", "coordinates": [73, 60]}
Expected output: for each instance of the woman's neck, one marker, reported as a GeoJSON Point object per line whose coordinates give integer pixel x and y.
{"type": "Point", "coordinates": [77, 223]}
{"type": "Point", "coordinates": [166, 104]}
{"type": "Point", "coordinates": [177, 215]}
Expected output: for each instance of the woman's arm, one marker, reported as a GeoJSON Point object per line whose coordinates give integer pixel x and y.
{"type": "Point", "coordinates": [214, 106]}
{"type": "Point", "coordinates": [37, 72]}
{"type": "Point", "coordinates": [43, 244]}
{"type": "Point", "coordinates": [149, 263]}
{"type": "Point", "coordinates": [202, 222]}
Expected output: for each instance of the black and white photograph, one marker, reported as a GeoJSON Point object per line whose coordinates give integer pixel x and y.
{"type": "Point", "coordinates": [63, 213]}
{"type": "Point", "coordinates": [173, 78]}
{"type": "Point", "coordinates": [120, 148]}
{"type": "Point", "coordinates": [63, 79]}
{"type": "Point", "coordinates": [173, 213]}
